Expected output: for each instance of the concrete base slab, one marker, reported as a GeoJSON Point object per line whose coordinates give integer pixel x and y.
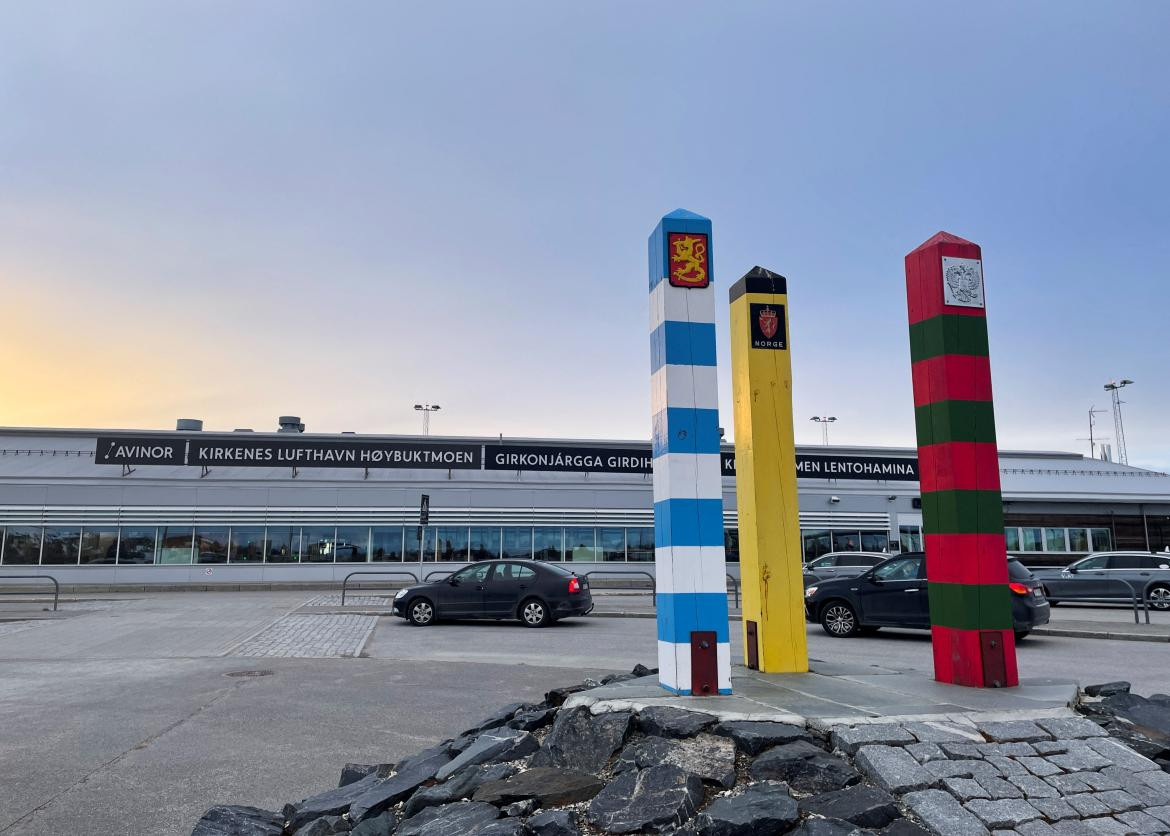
{"type": "Point", "coordinates": [835, 693]}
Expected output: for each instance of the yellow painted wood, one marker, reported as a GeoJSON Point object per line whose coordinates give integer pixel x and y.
{"type": "Point", "coordinates": [765, 484]}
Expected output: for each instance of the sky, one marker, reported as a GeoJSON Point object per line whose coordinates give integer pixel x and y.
{"type": "Point", "coordinates": [235, 211]}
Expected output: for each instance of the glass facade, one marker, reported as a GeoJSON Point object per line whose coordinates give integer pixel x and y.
{"type": "Point", "coordinates": [61, 546]}
{"type": "Point", "coordinates": [547, 543]}
{"type": "Point", "coordinates": [581, 545]}
{"type": "Point", "coordinates": [353, 543]}
{"type": "Point", "coordinates": [640, 545]}
{"type": "Point", "coordinates": [517, 543]}
{"type": "Point", "coordinates": [1058, 540]}
{"type": "Point", "coordinates": [283, 544]}
{"type": "Point", "coordinates": [247, 544]}
{"type": "Point", "coordinates": [100, 545]}
{"type": "Point", "coordinates": [485, 542]}
{"type": "Point", "coordinates": [611, 543]}
{"type": "Point", "coordinates": [175, 543]}
{"type": "Point", "coordinates": [137, 545]}
{"type": "Point", "coordinates": [22, 545]}
{"type": "Point", "coordinates": [386, 543]}
{"type": "Point", "coordinates": [452, 544]}
{"type": "Point", "coordinates": [211, 544]}
{"type": "Point", "coordinates": [317, 544]}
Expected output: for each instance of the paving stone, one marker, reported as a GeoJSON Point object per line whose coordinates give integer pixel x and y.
{"type": "Point", "coordinates": [1140, 822]}
{"type": "Point", "coordinates": [807, 768]}
{"type": "Point", "coordinates": [961, 769]}
{"type": "Point", "coordinates": [1004, 833]}
{"type": "Point", "coordinates": [754, 736]}
{"type": "Point", "coordinates": [940, 732]}
{"type": "Point", "coordinates": [1078, 760]}
{"type": "Point", "coordinates": [1035, 828]}
{"type": "Point", "coordinates": [1118, 801]}
{"type": "Point", "coordinates": [860, 805]}
{"type": "Point", "coordinates": [761, 808]}
{"type": "Point", "coordinates": [998, 788]}
{"type": "Point", "coordinates": [1068, 728]}
{"type": "Point", "coordinates": [966, 789]}
{"type": "Point", "coordinates": [1008, 731]}
{"type": "Point", "coordinates": [943, 814]}
{"type": "Point", "coordinates": [1034, 787]}
{"type": "Point", "coordinates": [1133, 784]}
{"type": "Point", "coordinates": [1039, 766]}
{"type": "Point", "coordinates": [1068, 784]}
{"type": "Point", "coordinates": [903, 827]}
{"type": "Point", "coordinates": [1086, 804]}
{"type": "Point", "coordinates": [1157, 780]}
{"type": "Point", "coordinates": [962, 751]}
{"type": "Point", "coordinates": [1099, 781]}
{"type": "Point", "coordinates": [1051, 747]}
{"type": "Point", "coordinates": [1005, 813]}
{"type": "Point", "coordinates": [893, 769]}
{"type": "Point", "coordinates": [1011, 750]}
{"type": "Point", "coordinates": [1073, 827]}
{"type": "Point", "coordinates": [1161, 813]}
{"type": "Point", "coordinates": [923, 752]}
{"type": "Point", "coordinates": [851, 738]}
{"type": "Point", "coordinates": [1121, 755]}
{"type": "Point", "coordinates": [1054, 809]}
{"type": "Point", "coordinates": [1007, 767]}
{"type": "Point", "coordinates": [1106, 825]}
{"type": "Point", "coordinates": [664, 721]}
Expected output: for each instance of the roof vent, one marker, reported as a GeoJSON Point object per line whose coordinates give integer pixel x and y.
{"type": "Point", "coordinates": [290, 424]}
{"type": "Point", "coordinates": [189, 425]}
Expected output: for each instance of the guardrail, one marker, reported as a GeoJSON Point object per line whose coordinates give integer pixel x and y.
{"type": "Point", "coordinates": [1133, 594]}
{"type": "Point", "coordinates": [345, 583]}
{"type": "Point", "coordinates": [618, 573]}
{"type": "Point", "coordinates": [443, 572]}
{"type": "Point", "coordinates": [735, 584]}
{"type": "Point", "coordinates": [56, 586]}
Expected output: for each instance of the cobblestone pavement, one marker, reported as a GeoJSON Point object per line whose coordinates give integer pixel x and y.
{"type": "Point", "coordinates": [309, 637]}
{"type": "Point", "coordinates": [333, 599]}
{"type": "Point", "coordinates": [1050, 775]}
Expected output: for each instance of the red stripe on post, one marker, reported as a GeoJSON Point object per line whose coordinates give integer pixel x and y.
{"type": "Point", "coordinates": [958, 657]}
{"type": "Point", "coordinates": [952, 377]}
{"type": "Point", "coordinates": [958, 466]}
{"type": "Point", "coordinates": [966, 558]}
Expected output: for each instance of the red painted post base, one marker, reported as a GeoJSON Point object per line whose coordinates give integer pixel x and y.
{"type": "Point", "coordinates": [976, 658]}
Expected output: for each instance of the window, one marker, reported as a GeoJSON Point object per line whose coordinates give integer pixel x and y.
{"type": "Point", "coordinates": [1078, 540]}
{"type": "Point", "coordinates": [22, 545]}
{"type": "Point", "coordinates": [611, 542]}
{"type": "Point", "coordinates": [1158, 561]}
{"type": "Point", "coordinates": [1102, 539]}
{"type": "Point", "coordinates": [473, 574]}
{"type": "Point", "coordinates": [211, 545]}
{"type": "Point", "coordinates": [353, 543]}
{"type": "Point", "coordinates": [640, 545]}
{"type": "Point", "coordinates": [386, 543]}
{"type": "Point", "coordinates": [452, 543]}
{"type": "Point", "coordinates": [1054, 540]}
{"type": "Point", "coordinates": [846, 541]}
{"type": "Point", "coordinates": [61, 546]}
{"type": "Point", "coordinates": [826, 562]}
{"type": "Point", "coordinates": [731, 545]}
{"type": "Point", "coordinates": [317, 544]}
{"type": "Point", "coordinates": [1126, 561]}
{"type": "Point", "coordinates": [875, 541]}
{"type": "Point", "coordinates": [246, 544]}
{"type": "Point", "coordinates": [580, 545]}
{"type": "Point", "coordinates": [1011, 538]}
{"type": "Point", "coordinates": [513, 572]}
{"type": "Point", "coordinates": [816, 543]}
{"type": "Point", "coordinates": [100, 545]}
{"type": "Point", "coordinates": [137, 546]}
{"type": "Point", "coordinates": [485, 543]}
{"type": "Point", "coordinates": [283, 544]}
{"type": "Point", "coordinates": [546, 544]}
{"type": "Point", "coordinates": [410, 544]}
{"type": "Point", "coordinates": [859, 560]}
{"type": "Point", "coordinates": [910, 538]}
{"type": "Point", "coordinates": [174, 544]}
{"type": "Point", "coordinates": [1032, 539]}
{"type": "Point", "coordinates": [517, 543]}
{"type": "Point", "coordinates": [1097, 562]}
{"type": "Point", "coordinates": [900, 570]}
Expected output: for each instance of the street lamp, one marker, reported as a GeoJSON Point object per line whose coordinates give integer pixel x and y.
{"type": "Point", "coordinates": [824, 421]}
{"type": "Point", "coordinates": [426, 410]}
{"type": "Point", "coordinates": [1113, 387]}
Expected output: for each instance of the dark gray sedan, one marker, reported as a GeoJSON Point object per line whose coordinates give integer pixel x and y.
{"type": "Point", "coordinates": [1111, 575]}
{"type": "Point", "coordinates": [835, 565]}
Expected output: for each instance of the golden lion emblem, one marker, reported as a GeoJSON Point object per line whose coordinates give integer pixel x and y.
{"type": "Point", "coordinates": [688, 260]}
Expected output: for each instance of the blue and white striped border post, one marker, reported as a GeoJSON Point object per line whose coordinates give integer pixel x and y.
{"type": "Point", "coordinates": [688, 484]}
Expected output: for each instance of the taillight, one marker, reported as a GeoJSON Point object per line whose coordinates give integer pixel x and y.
{"type": "Point", "coordinates": [1019, 589]}
{"type": "Point", "coordinates": [574, 586]}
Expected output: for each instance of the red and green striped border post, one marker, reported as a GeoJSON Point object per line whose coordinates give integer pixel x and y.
{"type": "Point", "coordinates": [962, 507]}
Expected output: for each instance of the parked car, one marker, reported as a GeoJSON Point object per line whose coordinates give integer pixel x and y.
{"type": "Point", "coordinates": [835, 565]}
{"type": "Point", "coordinates": [1097, 576]}
{"type": "Point", "coordinates": [895, 594]}
{"type": "Point", "coordinates": [536, 593]}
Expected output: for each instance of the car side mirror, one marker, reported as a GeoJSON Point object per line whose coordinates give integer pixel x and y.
{"type": "Point", "coordinates": [1072, 570]}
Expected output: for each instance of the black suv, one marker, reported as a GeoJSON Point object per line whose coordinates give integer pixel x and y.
{"type": "Point", "coordinates": [536, 593]}
{"type": "Point", "coordinates": [894, 594]}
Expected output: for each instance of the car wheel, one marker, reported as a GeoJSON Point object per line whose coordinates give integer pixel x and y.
{"type": "Point", "coordinates": [1159, 597]}
{"type": "Point", "coordinates": [534, 613]}
{"type": "Point", "coordinates": [420, 612]}
{"type": "Point", "coordinates": [1022, 634]}
{"type": "Point", "coordinates": [839, 620]}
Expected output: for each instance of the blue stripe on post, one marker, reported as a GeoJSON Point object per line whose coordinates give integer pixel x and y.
{"type": "Point", "coordinates": [678, 429]}
{"type": "Point", "coordinates": [688, 522]}
{"type": "Point", "coordinates": [683, 613]}
{"type": "Point", "coordinates": [682, 344]}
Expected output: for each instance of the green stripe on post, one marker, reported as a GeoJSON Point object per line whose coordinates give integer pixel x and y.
{"type": "Point", "coordinates": [962, 512]}
{"type": "Point", "coordinates": [948, 334]}
{"type": "Point", "coordinates": [943, 421]}
{"type": "Point", "coordinates": [964, 606]}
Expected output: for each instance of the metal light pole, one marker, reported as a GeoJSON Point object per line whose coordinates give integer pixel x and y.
{"type": "Point", "coordinates": [1113, 387]}
{"type": "Point", "coordinates": [824, 421]}
{"type": "Point", "coordinates": [1093, 413]}
{"type": "Point", "coordinates": [426, 410]}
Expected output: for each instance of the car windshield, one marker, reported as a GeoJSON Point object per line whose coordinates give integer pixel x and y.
{"type": "Point", "coordinates": [898, 570]}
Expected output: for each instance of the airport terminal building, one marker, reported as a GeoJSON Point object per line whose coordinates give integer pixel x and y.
{"type": "Point", "coordinates": [193, 507]}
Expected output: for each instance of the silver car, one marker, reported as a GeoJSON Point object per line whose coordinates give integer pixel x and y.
{"type": "Point", "coordinates": [1111, 575]}
{"type": "Point", "coordinates": [835, 565]}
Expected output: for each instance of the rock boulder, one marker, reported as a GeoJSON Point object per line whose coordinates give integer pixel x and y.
{"type": "Point", "coordinates": [656, 800]}
{"type": "Point", "coordinates": [805, 767]}
{"type": "Point", "coordinates": [582, 741]}
{"type": "Point", "coordinates": [550, 786]}
{"type": "Point", "coordinates": [761, 808]}
{"type": "Point", "coordinates": [236, 820]}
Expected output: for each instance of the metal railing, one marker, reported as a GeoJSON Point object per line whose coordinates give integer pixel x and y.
{"type": "Point", "coordinates": [735, 584]}
{"type": "Point", "coordinates": [345, 583]}
{"type": "Point", "coordinates": [56, 586]}
{"type": "Point", "coordinates": [650, 591]}
{"type": "Point", "coordinates": [442, 572]}
{"type": "Point", "coordinates": [1134, 595]}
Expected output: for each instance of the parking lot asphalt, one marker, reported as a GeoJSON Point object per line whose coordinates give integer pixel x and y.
{"type": "Point", "coordinates": [127, 717]}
